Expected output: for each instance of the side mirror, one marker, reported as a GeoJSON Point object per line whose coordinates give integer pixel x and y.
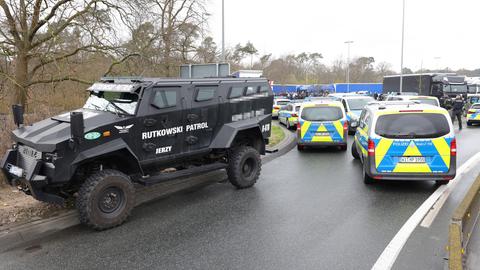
{"type": "Point", "coordinates": [76, 126]}
{"type": "Point", "coordinates": [17, 115]}
{"type": "Point", "coordinates": [354, 124]}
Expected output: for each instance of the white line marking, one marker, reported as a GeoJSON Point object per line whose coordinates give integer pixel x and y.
{"type": "Point", "coordinates": [391, 252]}
{"type": "Point", "coordinates": [432, 214]}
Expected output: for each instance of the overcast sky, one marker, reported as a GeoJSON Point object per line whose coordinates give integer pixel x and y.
{"type": "Point", "coordinates": [440, 33]}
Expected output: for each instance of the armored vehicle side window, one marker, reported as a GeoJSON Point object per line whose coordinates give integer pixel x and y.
{"type": "Point", "coordinates": [236, 92]}
{"type": "Point", "coordinates": [250, 91]}
{"type": "Point", "coordinates": [165, 99]}
{"type": "Point", "coordinates": [263, 88]}
{"type": "Point", "coordinates": [205, 93]}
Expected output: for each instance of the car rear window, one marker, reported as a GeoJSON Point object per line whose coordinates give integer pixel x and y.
{"type": "Point", "coordinates": [283, 102]}
{"type": "Point", "coordinates": [429, 101]}
{"type": "Point", "coordinates": [476, 106]}
{"type": "Point", "coordinates": [412, 125]}
{"type": "Point", "coordinates": [325, 113]}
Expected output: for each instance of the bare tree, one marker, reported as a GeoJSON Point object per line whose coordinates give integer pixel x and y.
{"type": "Point", "coordinates": [40, 36]}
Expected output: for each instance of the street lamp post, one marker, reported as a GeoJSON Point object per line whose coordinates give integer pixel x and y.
{"type": "Point", "coordinates": [223, 30]}
{"type": "Point", "coordinates": [349, 42]}
{"type": "Point", "coordinates": [401, 54]}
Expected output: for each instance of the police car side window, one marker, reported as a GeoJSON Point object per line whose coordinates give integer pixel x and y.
{"type": "Point", "coordinates": [362, 119]}
{"type": "Point", "coordinates": [205, 93]}
{"type": "Point", "coordinates": [250, 91]}
{"type": "Point", "coordinates": [165, 99]}
{"type": "Point", "coordinates": [344, 104]}
{"type": "Point", "coordinates": [236, 92]}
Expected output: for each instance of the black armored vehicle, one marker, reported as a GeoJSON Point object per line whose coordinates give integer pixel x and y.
{"type": "Point", "coordinates": [145, 131]}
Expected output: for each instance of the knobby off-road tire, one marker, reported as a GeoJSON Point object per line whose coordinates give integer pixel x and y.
{"type": "Point", "coordinates": [105, 200]}
{"type": "Point", "coordinates": [355, 153]}
{"type": "Point", "coordinates": [244, 166]}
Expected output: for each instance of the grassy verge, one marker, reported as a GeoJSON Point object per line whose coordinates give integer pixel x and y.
{"type": "Point", "coordinates": [277, 136]}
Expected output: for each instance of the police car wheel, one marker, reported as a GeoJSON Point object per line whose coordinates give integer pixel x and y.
{"type": "Point", "coordinates": [469, 124]}
{"type": "Point", "coordinates": [366, 178]}
{"type": "Point", "coordinates": [300, 147]}
{"type": "Point", "coordinates": [244, 166]}
{"type": "Point", "coordinates": [354, 151]}
{"type": "Point", "coordinates": [105, 200]}
{"type": "Point", "coordinates": [441, 182]}
{"type": "Point", "coordinates": [343, 148]}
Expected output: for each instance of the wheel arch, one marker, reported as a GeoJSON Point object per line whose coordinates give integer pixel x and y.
{"type": "Point", "coordinates": [117, 154]}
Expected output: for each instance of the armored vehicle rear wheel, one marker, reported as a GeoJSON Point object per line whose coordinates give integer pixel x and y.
{"type": "Point", "coordinates": [244, 166]}
{"type": "Point", "coordinates": [105, 200]}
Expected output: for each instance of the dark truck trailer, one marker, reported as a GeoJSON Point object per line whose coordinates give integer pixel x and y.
{"type": "Point", "coordinates": [431, 84]}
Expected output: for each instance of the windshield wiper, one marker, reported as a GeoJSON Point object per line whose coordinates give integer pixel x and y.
{"type": "Point", "coordinates": [117, 108]}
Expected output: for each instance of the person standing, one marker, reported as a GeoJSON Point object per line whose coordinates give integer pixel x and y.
{"type": "Point", "coordinates": [457, 110]}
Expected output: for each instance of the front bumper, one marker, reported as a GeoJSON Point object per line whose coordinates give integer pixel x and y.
{"type": "Point", "coordinates": [372, 172]}
{"type": "Point", "coordinates": [33, 180]}
{"type": "Point", "coordinates": [473, 121]}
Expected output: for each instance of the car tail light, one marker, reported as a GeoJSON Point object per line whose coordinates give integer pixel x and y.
{"type": "Point", "coordinates": [276, 107]}
{"type": "Point", "coordinates": [453, 148]}
{"type": "Point", "coordinates": [299, 127]}
{"type": "Point", "coordinates": [470, 112]}
{"type": "Point", "coordinates": [294, 115]}
{"type": "Point", "coordinates": [345, 126]}
{"type": "Point", "coordinates": [371, 148]}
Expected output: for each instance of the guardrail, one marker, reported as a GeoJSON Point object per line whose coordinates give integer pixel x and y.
{"type": "Point", "coordinates": [461, 226]}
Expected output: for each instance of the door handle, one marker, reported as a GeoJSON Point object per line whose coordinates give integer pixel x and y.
{"type": "Point", "coordinates": [149, 122]}
{"type": "Point", "coordinates": [192, 117]}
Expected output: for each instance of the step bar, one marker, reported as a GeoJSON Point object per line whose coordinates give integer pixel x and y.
{"type": "Point", "coordinates": [163, 177]}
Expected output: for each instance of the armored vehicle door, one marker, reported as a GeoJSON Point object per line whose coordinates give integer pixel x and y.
{"type": "Point", "coordinates": [162, 131]}
{"type": "Point", "coordinates": [201, 117]}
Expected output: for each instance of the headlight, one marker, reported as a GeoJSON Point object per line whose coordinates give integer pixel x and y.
{"type": "Point", "coordinates": [50, 157]}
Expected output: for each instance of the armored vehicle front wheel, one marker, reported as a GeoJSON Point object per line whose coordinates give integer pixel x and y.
{"type": "Point", "coordinates": [244, 166]}
{"type": "Point", "coordinates": [106, 199]}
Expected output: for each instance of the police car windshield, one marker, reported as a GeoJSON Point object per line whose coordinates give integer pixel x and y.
{"type": "Point", "coordinates": [322, 113]}
{"type": "Point", "coordinates": [356, 104]}
{"type": "Point", "coordinates": [475, 106]}
{"type": "Point", "coordinates": [115, 102]}
{"type": "Point", "coordinates": [283, 102]}
{"type": "Point", "coordinates": [412, 125]}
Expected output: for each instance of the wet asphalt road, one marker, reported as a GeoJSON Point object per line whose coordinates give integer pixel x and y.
{"type": "Point", "coordinates": [309, 210]}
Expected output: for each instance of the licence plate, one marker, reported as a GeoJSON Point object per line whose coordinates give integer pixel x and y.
{"type": "Point", "coordinates": [28, 151]}
{"type": "Point", "coordinates": [322, 134]}
{"type": "Point", "coordinates": [412, 160]}
{"type": "Point", "coordinates": [16, 170]}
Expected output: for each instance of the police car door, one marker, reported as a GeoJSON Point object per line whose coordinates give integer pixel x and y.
{"type": "Point", "coordinates": [162, 128]}
{"type": "Point", "coordinates": [201, 117]}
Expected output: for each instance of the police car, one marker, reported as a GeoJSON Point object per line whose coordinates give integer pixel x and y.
{"type": "Point", "coordinates": [354, 105]}
{"type": "Point", "coordinates": [322, 123]}
{"type": "Point", "coordinates": [405, 141]}
{"type": "Point", "coordinates": [277, 104]}
{"type": "Point", "coordinates": [288, 114]}
{"type": "Point", "coordinates": [473, 114]}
